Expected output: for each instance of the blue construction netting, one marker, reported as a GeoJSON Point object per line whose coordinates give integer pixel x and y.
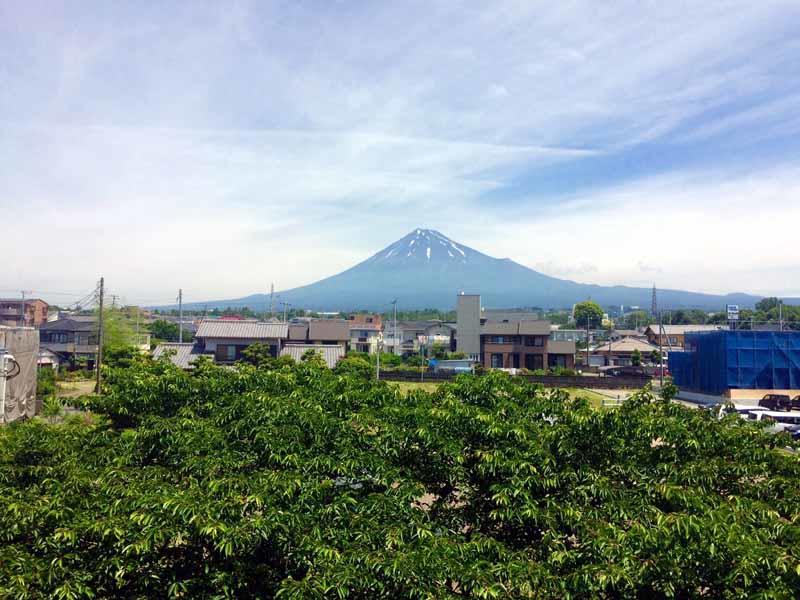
{"type": "Point", "coordinates": [721, 360]}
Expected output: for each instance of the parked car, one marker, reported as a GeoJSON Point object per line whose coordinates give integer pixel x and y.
{"type": "Point", "coordinates": [796, 402]}
{"type": "Point", "coordinates": [776, 402]}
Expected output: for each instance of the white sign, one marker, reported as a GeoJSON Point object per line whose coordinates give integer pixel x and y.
{"type": "Point", "coordinates": [733, 312]}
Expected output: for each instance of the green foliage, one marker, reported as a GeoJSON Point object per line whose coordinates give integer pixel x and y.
{"type": "Point", "coordinates": [313, 357]}
{"type": "Point", "coordinates": [636, 358]}
{"type": "Point", "coordinates": [588, 311]}
{"type": "Point", "coordinates": [168, 331]}
{"type": "Point", "coordinates": [52, 408]}
{"type": "Point", "coordinates": [307, 483]}
{"type": "Point", "coordinates": [45, 382]}
{"type": "Point", "coordinates": [356, 366]}
{"type": "Point", "coordinates": [118, 331]}
{"type": "Point", "coordinates": [259, 355]}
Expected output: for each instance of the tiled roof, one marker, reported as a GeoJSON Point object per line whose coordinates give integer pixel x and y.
{"type": "Point", "coordinates": [330, 354]}
{"type": "Point", "coordinates": [71, 324]}
{"type": "Point", "coordinates": [298, 331]}
{"type": "Point", "coordinates": [241, 330]}
{"type": "Point", "coordinates": [183, 355]}
{"type": "Point", "coordinates": [626, 345]}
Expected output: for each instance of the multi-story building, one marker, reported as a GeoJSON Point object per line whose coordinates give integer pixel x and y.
{"type": "Point", "coordinates": [365, 332]}
{"type": "Point", "coordinates": [73, 339]}
{"type": "Point", "coordinates": [414, 337]}
{"type": "Point", "coordinates": [523, 345]}
{"type": "Point", "coordinates": [15, 312]}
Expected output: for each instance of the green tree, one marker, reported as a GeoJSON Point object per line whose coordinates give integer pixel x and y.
{"type": "Point", "coordinates": [167, 331]}
{"type": "Point", "coordinates": [588, 311]}
{"type": "Point", "coordinates": [636, 358]}
{"type": "Point", "coordinates": [309, 483]}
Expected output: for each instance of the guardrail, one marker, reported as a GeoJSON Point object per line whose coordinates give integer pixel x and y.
{"type": "Point", "coordinates": [591, 382]}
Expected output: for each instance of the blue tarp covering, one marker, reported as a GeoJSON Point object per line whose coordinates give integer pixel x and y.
{"type": "Point", "coordinates": [720, 360]}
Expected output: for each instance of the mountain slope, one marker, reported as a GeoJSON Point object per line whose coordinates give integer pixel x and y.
{"type": "Point", "coordinates": [425, 269]}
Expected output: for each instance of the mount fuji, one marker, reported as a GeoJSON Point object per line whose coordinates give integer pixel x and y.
{"type": "Point", "coordinates": [426, 269]}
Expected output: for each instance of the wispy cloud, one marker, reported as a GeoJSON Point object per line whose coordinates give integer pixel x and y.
{"type": "Point", "coordinates": [234, 144]}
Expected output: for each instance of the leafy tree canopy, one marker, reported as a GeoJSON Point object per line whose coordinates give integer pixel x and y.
{"type": "Point", "coordinates": [303, 482]}
{"type": "Point", "coordinates": [588, 311]}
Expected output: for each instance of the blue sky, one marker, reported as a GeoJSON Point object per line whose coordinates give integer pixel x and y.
{"type": "Point", "coordinates": [219, 147]}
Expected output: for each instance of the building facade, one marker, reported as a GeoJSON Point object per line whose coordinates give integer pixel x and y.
{"type": "Point", "coordinates": [15, 312]}
{"type": "Point", "coordinates": [523, 345]}
{"type": "Point", "coordinates": [366, 332]}
{"type": "Point", "coordinates": [226, 340]}
{"type": "Point", "coordinates": [468, 325]}
{"type": "Point", "coordinates": [73, 339]}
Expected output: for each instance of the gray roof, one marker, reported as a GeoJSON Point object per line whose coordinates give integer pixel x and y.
{"type": "Point", "coordinates": [251, 330]}
{"type": "Point", "coordinates": [331, 354]}
{"type": "Point", "coordinates": [74, 323]}
{"type": "Point", "coordinates": [516, 328]}
{"type": "Point", "coordinates": [183, 355]}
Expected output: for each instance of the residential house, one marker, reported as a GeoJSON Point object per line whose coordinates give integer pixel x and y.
{"type": "Point", "coordinates": [673, 336]}
{"type": "Point", "coordinates": [416, 336]}
{"type": "Point", "coordinates": [323, 332]}
{"type": "Point", "coordinates": [226, 339]}
{"type": "Point", "coordinates": [620, 352]}
{"type": "Point", "coordinates": [330, 353]}
{"type": "Point", "coordinates": [73, 339]}
{"type": "Point", "coordinates": [523, 344]}
{"type": "Point", "coordinates": [365, 332]}
{"type": "Point", "coordinates": [16, 312]}
{"type": "Point", "coordinates": [182, 355]}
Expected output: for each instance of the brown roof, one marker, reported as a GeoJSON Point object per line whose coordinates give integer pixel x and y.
{"type": "Point", "coordinates": [329, 329]}
{"type": "Point", "coordinates": [298, 331]}
{"type": "Point", "coordinates": [534, 327]}
{"type": "Point", "coordinates": [626, 345]}
{"type": "Point", "coordinates": [560, 347]}
{"type": "Point", "coordinates": [217, 328]}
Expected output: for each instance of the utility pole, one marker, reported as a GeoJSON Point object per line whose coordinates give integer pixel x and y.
{"type": "Point", "coordinates": [780, 315]}
{"type": "Point", "coordinates": [180, 316]}
{"type": "Point", "coordinates": [23, 318]}
{"type": "Point", "coordinates": [99, 361]}
{"type": "Point", "coordinates": [587, 342]}
{"type": "Point", "coordinates": [661, 349]}
{"type": "Point", "coordinates": [394, 332]}
{"type": "Point", "coordinates": [378, 362]}
{"type": "Point", "coordinates": [271, 300]}
{"type": "Point", "coordinates": [286, 305]}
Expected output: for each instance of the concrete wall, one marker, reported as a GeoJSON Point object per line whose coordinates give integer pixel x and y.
{"type": "Point", "coordinates": [468, 325]}
{"type": "Point", "coordinates": [23, 343]}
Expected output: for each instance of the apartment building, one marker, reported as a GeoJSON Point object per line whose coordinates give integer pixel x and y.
{"type": "Point", "coordinates": [16, 312]}
{"type": "Point", "coordinates": [523, 345]}
{"type": "Point", "coordinates": [366, 332]}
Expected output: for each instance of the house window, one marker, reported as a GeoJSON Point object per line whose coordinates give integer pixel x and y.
{"type": "Point", "coordinates": [230, 353]}
{"type": "Point", "coordinates": [557, 360]}
{"type": "Point", "coordinates": [534, 340]}
{"type": "Point", "coordinates": [497, 361]}
{"type": "Point", "coordinates": [515, 360]}
{"type": "Point", "coordinates": [533, 361]}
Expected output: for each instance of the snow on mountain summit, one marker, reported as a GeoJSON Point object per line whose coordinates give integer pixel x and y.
{"type": "Point", "coordinates": [424, 245]}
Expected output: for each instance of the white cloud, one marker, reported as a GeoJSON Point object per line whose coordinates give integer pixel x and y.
{"type": "Point", "coordinates": [705, 231]}
{"type": "Point", "coordinates": [223, 147]}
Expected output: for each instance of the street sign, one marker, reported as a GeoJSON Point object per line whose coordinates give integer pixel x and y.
{"type": "Point", "coordinates": [733, 312]}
